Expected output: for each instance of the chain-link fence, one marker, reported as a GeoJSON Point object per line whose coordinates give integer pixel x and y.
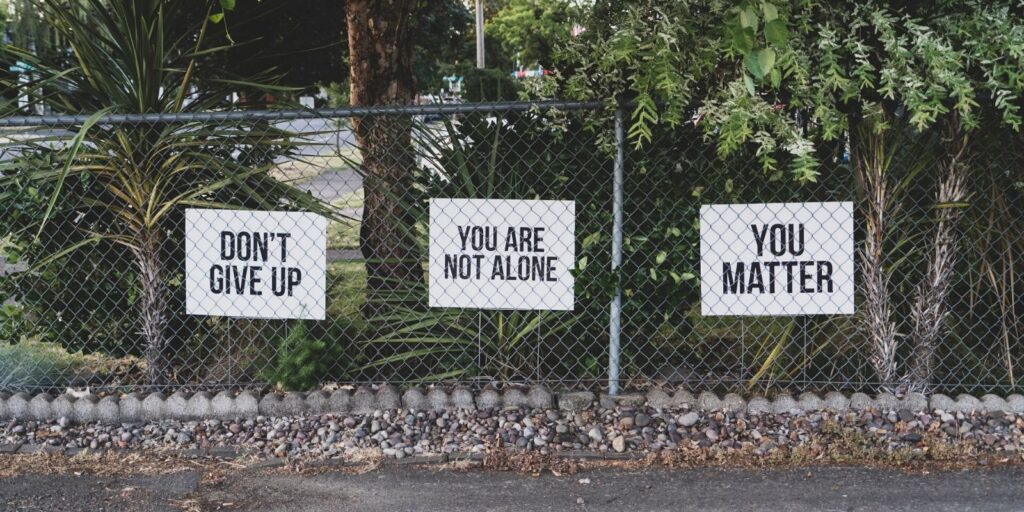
{"type": "Point", "coordinates": [97, 292]}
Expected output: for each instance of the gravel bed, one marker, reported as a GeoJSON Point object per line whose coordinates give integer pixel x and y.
{"type": "Point", "coordinates": [637, 430]}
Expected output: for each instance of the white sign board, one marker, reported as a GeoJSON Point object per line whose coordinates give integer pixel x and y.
{"type": "Point", "coordinates": [254, 264]}
{"type": "Point", "coordinates": [777, 259]}
{"type": "Point", "coordinates": [502, 254]}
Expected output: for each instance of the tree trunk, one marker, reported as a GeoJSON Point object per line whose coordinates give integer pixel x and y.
{"type": "Point", "coordinates": [153, 304]}
{"type": "Point", "coordinates": [870, 165]}
{"type": "Point", "coordinates": [929, 310]}
{"type": "Point", "coordinates": [380, 62]}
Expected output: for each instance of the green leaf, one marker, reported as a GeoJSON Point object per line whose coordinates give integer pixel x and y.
{"type": "Point", "coordinates": [743, 40]}
{"type": "Point", "coordinates": [217, 18]}
{"type": "Point", "coordinates": [770, 11]}
{"type": "Point", "coordinates": [661, 257]}
{"type": "Point", "coordinates": [760, 63]}
{"type": "Point", "coordinates": [749, 83]}
{"type": "Point", "coordinates": [748, 18]}
{"type": "Point", "coordinates": [776, 77]}
{"type": "Point", "coordinates": [227, 5]}
{"type": "Point", "coordinates": [777, 33]}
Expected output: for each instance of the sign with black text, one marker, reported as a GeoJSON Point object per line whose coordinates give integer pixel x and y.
{"type": "Point", "coordinates": [777, 259]}
{"type": "Point", "coordinates": [255, 264]}
{"type": "Point", "coordinates": [502, 254]}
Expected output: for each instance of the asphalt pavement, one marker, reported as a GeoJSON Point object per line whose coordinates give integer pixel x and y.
{"type": "Point", "coordinates": [430, 489]}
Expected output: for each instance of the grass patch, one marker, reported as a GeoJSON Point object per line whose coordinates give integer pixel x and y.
{"type": "Point", "coordinates": [32, 364]}
{"type": "Point", "coordinates": [306, 167]}
{"type": "Point", "coordinates": [345, 234]}
{"type": "Point", "coordinates": [346, 291]}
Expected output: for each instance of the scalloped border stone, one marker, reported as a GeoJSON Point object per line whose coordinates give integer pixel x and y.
{"type": "Point", "coordinates": [365, 400]}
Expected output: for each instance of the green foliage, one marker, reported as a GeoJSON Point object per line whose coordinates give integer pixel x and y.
{"type": "Point", "coordinates": [32, 364]}
{"type": "Point", "coordinates": [302, 362]}
{"type": "Point", "coordinates": [112, 196]}
{"type": "Point", "coordinates": [785, 75]}
{"type": "Point", "coordinates": [530, 30]}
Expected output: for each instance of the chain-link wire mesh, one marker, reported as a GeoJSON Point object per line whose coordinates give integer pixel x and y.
{"type": "Point", "coordinates": [95, 280]}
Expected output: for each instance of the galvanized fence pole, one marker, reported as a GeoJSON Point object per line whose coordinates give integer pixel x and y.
{"type": "Point", "coordinates": [615, 324]}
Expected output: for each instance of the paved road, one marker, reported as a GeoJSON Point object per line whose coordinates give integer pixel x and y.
{"type": "Point", "coordinates": [429, 489]}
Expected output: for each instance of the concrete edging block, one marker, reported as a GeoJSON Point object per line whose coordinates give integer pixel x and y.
{"type": "Point", "coordinates": [437, 399]}
{"type": "Point", "coordinates": [247, 403]}
{"type": "Point", "coordinates": [223, 406]}
{"type": "Point", "coordinates": [199, 406]}
{"type": "Point", "coordinates": [388, 397]}
{"type": "Point", "coordinates": [153, 407]}
{"type": "Point", "coordinates": [886, 401]}
{"type": "Point", "coordinates": [1015, 403]}
{"type": "Point", "coordinates": [414, 399]}
{"type": "Point", "coordinates": [759, 405]}
{"type": "Point", "coordinates": [837, 401]}
{"type": "Point", "coordinates": [488, 399]}
{"type": "Point", "coordinates": [39, 408]}
{"type": "Point", "coordinates": [733, 402]}
{"type": "Point", "coordinates": [5, 413]}
{"type": "Point", "coordinates": [202, 405]}
{"type": "Point", "coordinates": [131, 408]}
{"type": "Point", "coordinates": [85, 408]}
{"type": "Point", "coordinates": [108, 410]}
{"type": "Point", "coordinates": [861, 401]}
{"type": "Point", "coordinates": [462, 398]}
{"type": "Point", "coordinates": [967, 404]}
{"type": "Point", "coordinates": [514, 398]}
{"type": "Point", "coordinates": [363, 401]}
{"type": "Point", "coordinates": [176, 406]}
{"type": "Point", "coordinates": [785, 404]}
{"type": "Point", "coordinates": [318, 402]}
{"type": "Point", "coordinates": [575, 400]}
{"type": "Point", "coordinates": [270, 405]}
{"type": "Point", "coordinates": [808, 401]}
{"type": "Point", "coordinates": [941, 402]}
{"type": "Point", "coordinates": [293, 404]}
{"type": "Point", "coordinates": [659, 398]}
{"type": "Point", "coordinates": [339, 401]}
{"type": "Point", "coordinates": [63, 407]}
{"type": "Point", "coordinates": [708, 401]}
{"type": "Point", "coordinates": [540, 397]}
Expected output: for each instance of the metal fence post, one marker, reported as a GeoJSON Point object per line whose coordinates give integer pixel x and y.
{"type": "Point", "coordinates": [615, 324]}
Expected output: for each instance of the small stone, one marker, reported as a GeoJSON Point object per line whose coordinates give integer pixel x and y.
{"type": "Point", "coordinates": [619, 444]}
{"type": "Point", "coordinates": [626, 422]}
{"type": "Point", "coordinates": [689, 419]}
{"type": "Point", "coordinates": [711, 434]}
{"type": "Point", "coordinates": [642, 420]}
{"type": "Point", "coordinates": [596, 435]}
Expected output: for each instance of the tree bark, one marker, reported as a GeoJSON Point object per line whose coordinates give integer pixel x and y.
{"type": "Point", "coordinates": [870, 165]}
{"type": "Point", "coordinates": [380, 61]}
{"type": "Point", "coordinates": [929, 311]}
{"type": "Point", "coordinates": [153, 303]}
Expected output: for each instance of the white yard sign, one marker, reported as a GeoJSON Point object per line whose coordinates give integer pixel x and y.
{"type": "Point", "coordinates": [502, 254]}
{"type": "Point", "coordinates": [255, 264]}
{"type": "Point", "coordinates": [777, 259]}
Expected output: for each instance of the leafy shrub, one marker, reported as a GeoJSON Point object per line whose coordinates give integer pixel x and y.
{"type": "Point", "coordinates": [36, 364]}
{"type": "Point", "coordinates": [302, 361]}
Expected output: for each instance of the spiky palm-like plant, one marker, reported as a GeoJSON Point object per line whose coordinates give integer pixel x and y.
{"type": "Point", "coordinates": [131, 181]}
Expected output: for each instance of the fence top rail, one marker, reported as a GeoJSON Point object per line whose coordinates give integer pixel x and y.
{"type": "Point", "coordinates": [291, 114]}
